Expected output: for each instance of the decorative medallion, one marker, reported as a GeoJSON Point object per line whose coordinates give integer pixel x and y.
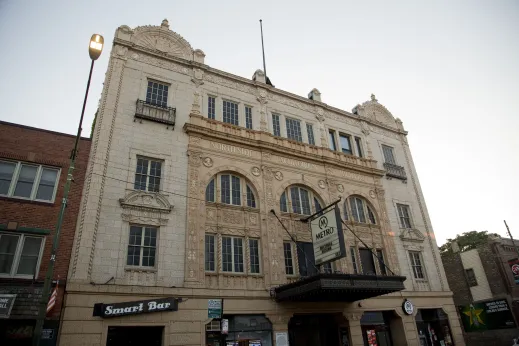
{"type": "Point", "coordinates": [408, 307]}
{"type": "Point", "coordinates": [372, 194]}
{"type": "Point", "coordinates": [340, 188]}
{"type": "Point", "coordinates": [255, 171]}
{"type": "Point", "coordinates": [278, 175]}
{"type": "Point", "coordinates": [208, 162]}
{"type": "Point", "coordinates": [322, 184]}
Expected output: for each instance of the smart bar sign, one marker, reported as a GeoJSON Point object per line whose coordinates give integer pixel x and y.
{"type": "Point", "coordinates": [327, 237]}
{"type": "Point", "coordinates": [136, 307]}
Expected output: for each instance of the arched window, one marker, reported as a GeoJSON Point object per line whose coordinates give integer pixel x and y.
{"type": "Point", "coordinates": [303, 201]}
{"type": "Point", "coordinates": [231, 187]}
{"type": "Point", "coordinates": [357, 209]}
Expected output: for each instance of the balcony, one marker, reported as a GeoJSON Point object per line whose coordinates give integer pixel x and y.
{"type": "Point", "coordinates": [148, 111]}
{"type": "Point", "coordinates": [395, 171]}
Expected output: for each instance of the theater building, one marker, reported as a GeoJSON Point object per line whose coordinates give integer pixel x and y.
{"type": "Point", "coordinates": [190, 230]}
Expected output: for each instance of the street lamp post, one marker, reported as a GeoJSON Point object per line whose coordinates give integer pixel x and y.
{"type": "Point", "coordinates": [94, 50]}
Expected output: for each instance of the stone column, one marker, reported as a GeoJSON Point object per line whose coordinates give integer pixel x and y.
{"type": "Point", "coordinates": [354, 327]}
{"type": "Point", "coordinates": [279, 324]}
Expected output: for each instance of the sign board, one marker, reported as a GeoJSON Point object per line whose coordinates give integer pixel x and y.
{"type": "Point", "coordinates": [6, 304]}
{"type": "Point", "coordinates": [408, 307]}
{"type": "Point", "coordinates": [47, 334]}
{"type": "Point", "coordinates": [514, 267]}
{"type": "Point", "coordinates": [282, 339]}
{"type": "Point", "coordinates": [214, 308]}
{"type": "Point", "coordinates": [327, 237]}
{"type": "Point", "coordinates": [135, 307]}
{"type": "Point", "coordinates": [494, 314]}
{"type": "Point", "coordinates": [225, 326]}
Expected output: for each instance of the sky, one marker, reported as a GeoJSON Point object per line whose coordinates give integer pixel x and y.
{"type": "Point", "coordinates": [448, 69]}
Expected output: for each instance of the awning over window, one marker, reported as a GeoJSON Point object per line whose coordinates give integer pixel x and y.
{"type": "Point", "coordinates": [338, 288]}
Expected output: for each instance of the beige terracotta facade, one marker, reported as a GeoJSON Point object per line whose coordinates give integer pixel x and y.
{"type": "Point", "coordinates": [196, 150]}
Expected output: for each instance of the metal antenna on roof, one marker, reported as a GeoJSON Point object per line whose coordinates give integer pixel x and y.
{"type": "Point", "coordinates": [263, 50]}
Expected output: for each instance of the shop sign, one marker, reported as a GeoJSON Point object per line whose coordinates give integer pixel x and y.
{"type": "Point", "coordinates": [136, 307]}
{"type": "Point", "coordinates": [514, 267]}
{"type": "Point", "coordinates": [282, 339]}
{"type": "Point", "coordinates": [225, 326]}
{"type": "Point", "coordinates": [327, 237]}
{"type": "Point", "coordinates": [494, 314]}
{"type": "Point", "coordinates": [408, 307]}
{"type": "Point", "coordinates": [6, 304]}
{"type": "Point", "coordinates": [47, 334]}
{"type": "Point", "coordinates": [214, 308]}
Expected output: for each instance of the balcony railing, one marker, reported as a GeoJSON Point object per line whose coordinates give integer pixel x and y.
{"type": "Point", "coordinates": [148, 111]}
{"type": "Point", "coordinates": [395, 171]}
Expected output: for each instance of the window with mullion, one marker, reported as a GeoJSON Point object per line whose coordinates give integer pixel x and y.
{"type": "Point", "coordinates": [230, 113]}
{"type": "Point", "coordinates": [404, 215]}
{"type": "Point", "coordinates": [331, 138]}
{"type": "Point", "coordinates": [389, 156]}
{"type": "Point", "coordinates": [142, 246]}
{"type": "Point", "coordinates": [148, 174]}
{"type": "Point", "coordinates": [381, 263]}
{"type": "Point", "coordinates": [345, 144]}
{"type": "Point", "coordinates": [300, 200]}
{"type": "Point", "coordinates": [310, 132]}
{"type": "Point", "coordinates": [289, 263]}
{"type": "Point", "coordinates": [294, 129]}
{"type": "Point", "coordinates": [19, 255]}
{"type": "Point", "coordinates": [276, 128]}
{"type": "Point", "coordinates": [209, 192]}
{"type": "Point", "coordinates": [157, 94]}
{"type": "Point", "coordinates": [358, 142]}
{"type": "Point", "coordinates": [416, 264]}
{"type": "Point", "coordinates": [211, 107]}
{"type": "Point", "coordinates": [254, 256]}
{"type": "Point", "coordinates": [357, 210]}
{"type": "Point", "coordinates": [248, 117]}
{"type": "Point", "coordinates": [251, 201]}
{"type": "Point", "coordinates": [210, 252]}
{"type": "Point", "coordinates": [353, 256]}
{"type": "Point", "coordinates": [28, 181]}
{"type": "Point", "coordinates": [232, 254]}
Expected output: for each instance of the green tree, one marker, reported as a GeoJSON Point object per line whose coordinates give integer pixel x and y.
{"type": "Point", "coordinates": [466, 241]}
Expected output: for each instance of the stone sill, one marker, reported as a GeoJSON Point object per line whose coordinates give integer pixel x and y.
{"type": "Point", "coordinates": [140, 269]}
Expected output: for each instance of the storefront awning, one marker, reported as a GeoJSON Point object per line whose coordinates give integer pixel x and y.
{"type": "Point", "coordinates": [338, 288]}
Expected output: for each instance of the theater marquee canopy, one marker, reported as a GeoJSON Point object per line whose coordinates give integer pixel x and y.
{"type": "Point", "coordinates": [338, 288]}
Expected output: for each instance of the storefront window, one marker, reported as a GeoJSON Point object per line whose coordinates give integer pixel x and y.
{"type": "Point", "coordinates": [244, 330]}
{"type": "Point", "coordinates": [433, 328]}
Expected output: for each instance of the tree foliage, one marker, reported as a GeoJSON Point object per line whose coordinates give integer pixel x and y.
{"type": "Point", "coordinates": [466, 241]}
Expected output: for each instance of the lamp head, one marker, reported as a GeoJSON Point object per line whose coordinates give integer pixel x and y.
{"type": "Point", "coordinates": [96, 46]}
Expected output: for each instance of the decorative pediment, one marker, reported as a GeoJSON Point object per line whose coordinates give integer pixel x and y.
{"type": "Point", "coordinates": [162, 39]}
{"type": "Point", "coordinates": [412, 235]}
{"type": "Point", "coordinates": [147, 201]}
{"type": "Point", "coordinates": [374, 111]}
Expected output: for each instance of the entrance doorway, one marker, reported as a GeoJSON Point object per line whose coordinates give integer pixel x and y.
{"type": "Point", "coordinates": [375, 328]}
{"type": "Point", "coordinates": [126, 336]}
{"type": "Point", "coordinates": [313, 330]}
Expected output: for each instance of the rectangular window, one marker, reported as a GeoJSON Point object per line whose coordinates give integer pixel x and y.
{"type": "Point", "coordinates": [471, 277]}
{"type": "Point", "coordinates": [366, 259]}
{"type": "Point", "coordinates": [310, 132]}
{"type": "Point", "coordinates": [358, 143]}
{"type": "Point", "coordinates": [28, 181]}
{"type": "Point", "coordinates": [389, 157]}
{"type": "Point", "coordinates": [232, 254]}
{"type": "Point", "coordinates": [230, 113]}
{"type": "Point", "coordinates": [416, 264]}
{"type": "Point", "coordinates": [209, 253]}
{"type": "Point", "coordinates": [345, 144]}
{"type": "Point", "coordinates": [275, 125]}
{"type": "Point", "coordinates": [142, 246]}
{"type": "Point", "coordinates": [404, 215]}
{"type": "Point", "coordinates": [19, 255]}
{"type": "Point", "coordinates": [331, 137]}
{"type": "Point", "coordinates": [230, 189]}
{"type": "Point", "coordinates": [381, 262]}
{"type": "Point", "coordinates": [157, 94]}
{"type": "Point", "coordinates": [289, 264]}
{"type": "Point", "coordinates": [248, 117]}
{"type": "Point", "coordinates": [211, 107]}
{"type": "Point", "coordinates": [147, 174]}
{"type": "Point", "coordinates": [254, 256]}
{"type": "Point", "coordinates": [328, 268]}
{"type": "Point", "coordinates": [357, 210]}
{"type": "Point", "coordinates": [353, 255]}
{"type": "Point", "coordinates": [294, 130]}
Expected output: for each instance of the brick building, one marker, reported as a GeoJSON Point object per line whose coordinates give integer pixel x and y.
{"type": "Point", "coordinates": [481, 275]}
{"type": "Point", "coordinates": [33, 171]}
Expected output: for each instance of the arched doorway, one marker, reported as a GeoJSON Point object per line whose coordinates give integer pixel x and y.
{"type": "Point", "coordinates": [313, 330]}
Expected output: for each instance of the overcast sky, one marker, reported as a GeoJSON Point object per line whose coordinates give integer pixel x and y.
{"type": "Point", "coordinates": [448, 69]}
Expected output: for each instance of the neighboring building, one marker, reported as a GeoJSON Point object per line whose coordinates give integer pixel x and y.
{"type": "Point", "coordinates": [482, 275]}
{"type": "Point", "coordinates": [33, 172]}
{"type": "Point", "coordinates": [187, 163]}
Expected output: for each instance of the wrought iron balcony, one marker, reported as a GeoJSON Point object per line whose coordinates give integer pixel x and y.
{"type": "Point", "coordinates": [395, 171]}
{"type": "Point", "coordinates": [151, 112]}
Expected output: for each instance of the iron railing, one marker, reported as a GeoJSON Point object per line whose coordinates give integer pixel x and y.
{"type": "Point", "coordinates": [148, 111]}
{"type": "Point", "coordinates": [395, 171]}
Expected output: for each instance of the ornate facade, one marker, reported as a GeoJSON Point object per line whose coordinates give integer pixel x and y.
{"type": "Point", "coordinates": [189, 171]}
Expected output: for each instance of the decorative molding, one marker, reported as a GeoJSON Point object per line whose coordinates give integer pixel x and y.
{"type": "Point", "coordinates": [198, 77]}
{"type": "Point", "coordinates": [162, 39]}
{"type": "Point", "coordinates": [322, 184]}
{"type": "Point", "coordinates": [255, 171]}
{"type": "Point", "coordinates": [278, 175]}
{"type": "Point", "coordinates": [146, 201]}
{"type": "Point", "coordinates": [207, 161]}
{"type": "Point", "coordinates": [412, 235]}
{"type": "Point", "coordinates": [152, 219]}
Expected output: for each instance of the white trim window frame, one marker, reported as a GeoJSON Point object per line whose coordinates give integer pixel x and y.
{"type": "Point", "coordinates": [248, 117]}
{"type": "Point", "coordinates": [417, 265]}
{"type": "Point", "coordinates": [254, 256]}
{"type": "Point", "coordinates": [299, 200]}
{"type": "Point", "coordinates": [23, 180]}
{"type": "Point", "coordinates": [210, 258]}
{"type": "Point", "coordinates": [234, 190]}
{"type": "Point", "coordinates": [12, 255]}
{"type": "Point", "coordinates": [345, 143]}
{"type": "Point", "coordinates": [388, 153]}
{"type": "Point", "coordinates": [293, 127]}
{"type": "Point", "coordinates": [288, 256]}
{"type": "Point", "coordinates": [211, 107]}
{"type": "Point", "coordinates": [310, 133]}
{"type": "Point", "coordinates": [143, 246]}
{"type": "Point", "coordinates": [157, 93]}
{"type": "Point", "coordinates": [233, 254]}
{"type": "Point", "coordinates": [358, 209]}
{"type": "Point", "coordinates": [230, 112]}
{"type": "Point", "coordinates": [276, 124]}
{"type": "Point", "coordinates": [404, 215]}
{"type": "Point", "coordinates": [148, 174]}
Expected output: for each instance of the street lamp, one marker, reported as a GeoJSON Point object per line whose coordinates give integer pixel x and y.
{"type": "Point", "coordinates": [95, 49]}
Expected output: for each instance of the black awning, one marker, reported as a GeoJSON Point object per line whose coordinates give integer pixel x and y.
{"type": "Point", "coordinates": [338, 288]}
